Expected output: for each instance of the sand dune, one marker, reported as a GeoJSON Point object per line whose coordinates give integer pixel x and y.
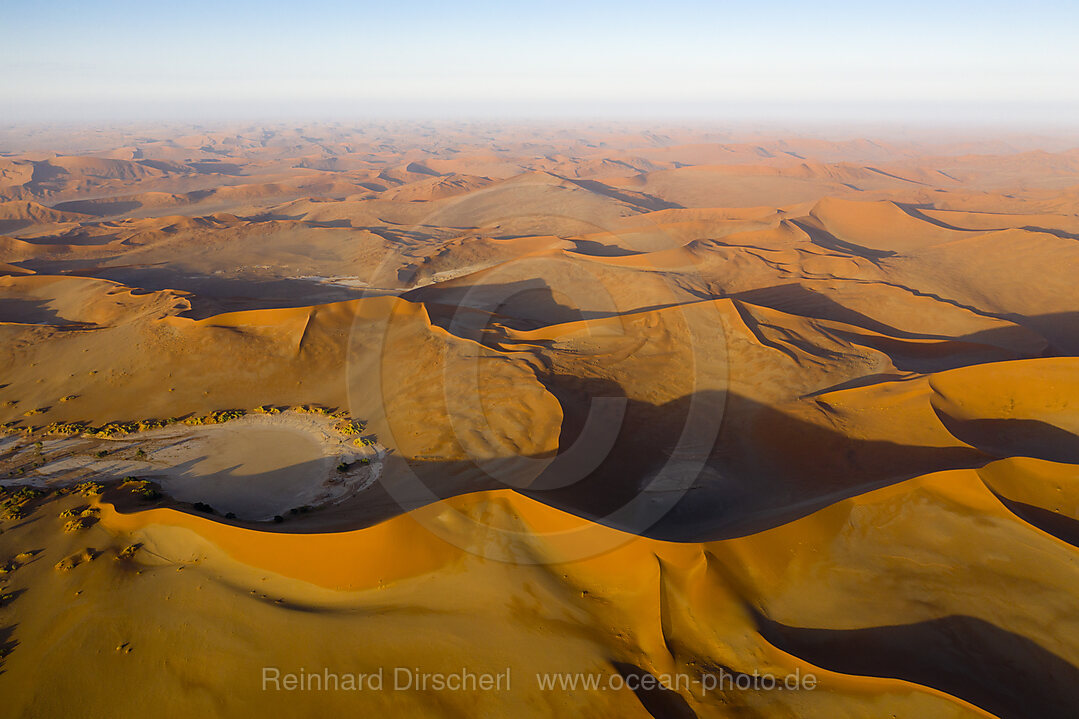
{"type": "Point", "coordinates": [634, 402]}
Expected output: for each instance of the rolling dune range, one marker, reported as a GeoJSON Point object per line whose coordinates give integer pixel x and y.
{"type": "Point", "coordinates": [601, 399]}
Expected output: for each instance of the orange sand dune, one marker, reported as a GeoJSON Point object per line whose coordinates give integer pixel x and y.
{"type": "Point", "coordinates": [632, 403]}
{"type": "Point", "coordinates": [679, 606]}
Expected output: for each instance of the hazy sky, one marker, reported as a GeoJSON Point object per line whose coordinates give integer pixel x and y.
{"type": "Point", "coordinates": [915, 59]}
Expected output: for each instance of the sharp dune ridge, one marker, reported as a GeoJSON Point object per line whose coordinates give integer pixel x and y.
{"type": "Point", "coordinates": [615, 401]}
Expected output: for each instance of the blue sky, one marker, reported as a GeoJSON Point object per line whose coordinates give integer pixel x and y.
{"type": "Point", "coordinates": [915, 59]}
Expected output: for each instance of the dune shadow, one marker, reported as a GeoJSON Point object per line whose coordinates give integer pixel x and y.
{"type": "Point", "coordinates": [1050, 231]}
{"type": "Point", "coordinates": [825, 239]}
{"type": "Point", "coordinates": [7, 643]}
{"type": "Point", "coordinates": [1008, 437]}
{"type": "Point", "coordinates": [1001, 672]}
{"type": "Point", "coordinates": [216, 167]}
{"type": "Point", "coordinates": [45, 172]}
{"type": "Point", "coordinates": [421, 169]}
{"type": "Point", "coordinates": [162, 165]}
{"type": "Point", "coordinates": [343, 223]}
{"type": "Point", "coordinates": [522, 305]}
{"type": "Point", "coordinates": [893, 176]}
{"type": "Point", "coordinates": [213, 295]}
{"type": "Point", "coordinates": [643, 201]}
{"type": "Point", "coordinates": [33, 312]}
{"type": "Point", "coordinates": [994, 344]}
{"type": "Point", "coordinates": [598, 249]}
{"type": "Point", "coordinates": [736, 486]}
{"type": "Point", "coordinates": [76, 237]}
{"type": "Point", "coordinates": [1064, 528]}
{"type": "Point", "coordinates": [796, 299]}
{"type": "Point", "coordinates": [1061, 329]}
{"type": "Point", "coordinates": [659, 701]}
{"type": "Point", "coordinates": [9, 226]}
{"type": "Point", "coordinates": [99, 208]}
{"type": "Point", "coordinates": [915, 211]}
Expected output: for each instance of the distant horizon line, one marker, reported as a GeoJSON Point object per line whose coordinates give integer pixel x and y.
{"type": "Point", "coordinates": [836, 115]}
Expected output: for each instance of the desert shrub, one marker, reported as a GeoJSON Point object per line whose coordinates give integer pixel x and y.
{"type": "Point", "coordinates": [230, 515]}
{"type": "Point", "coordinates": [69, 514]}
{"type": "Point", "coordinates": [77, 524]}
{"type": "Point", "coordinates": [116, 428]}
{"type": "Point", "coordinates": [129, 551]}
{"type": "Point", "coordinates": [33, 412]}
{"type": "Point", "coordinates": [140, 487]}
{"type": "Point", "coordinates": [14, 505]}
{"type": "Point", "coordinates": [278, 519]}
{"type": "Point", "coordinates": [27, 494]}
{"type": "Point", "coordinates": [219, 417]}
{"type": "Point", "coordinates": [365, 460]}
{"type": "Point", "coordinates": [351, 427]}
{"type": "Point", "coordinates": [101, 453]}
{"type": "Point", "coordinates": [311, 409]}
{"type": "Point", "coordinates": [12, 513]}
{"type": "Point", "coordinates": [266, 409]}
{"type": "Point", "coordinates": [67, 428]}
{"type": "Point", "coordinates": [343, 467]}
{"type": "Point", "coordinates": [140, 453]}
{"type": "Point", "coordinates": [147, 424]}
{"type": "Point", "coordinates": [204, 508]}
{"type": "Point", "coordinates": [67, 564]}
{"type": "Point", "coordinates": [69, 397]}
{"type": "Point", "coordinates": [226, 415]}
{"type": "Point", "coordinates": [89, 489]}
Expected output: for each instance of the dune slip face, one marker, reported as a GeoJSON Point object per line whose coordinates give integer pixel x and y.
{"type": "Point", "coordinates": [492, 420]}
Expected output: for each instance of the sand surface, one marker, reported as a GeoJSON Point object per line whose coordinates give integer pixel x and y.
{"type": "Point", "coordinates": [608, 400]}
{"type": "Point", "coordinates": [225, 463]}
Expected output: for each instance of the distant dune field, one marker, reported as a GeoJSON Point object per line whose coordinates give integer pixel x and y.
{"type": "Point", "coordinates": [660, 408]}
